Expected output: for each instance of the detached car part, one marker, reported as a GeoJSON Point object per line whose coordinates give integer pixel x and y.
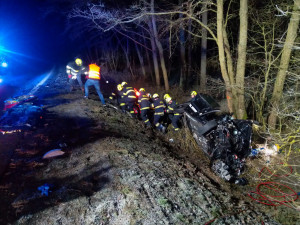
{"type": "Point", "coordinates": [21, 117]}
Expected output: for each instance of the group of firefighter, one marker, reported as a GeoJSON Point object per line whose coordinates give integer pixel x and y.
{"type": "Point", "coordinates": [153, 110]}
{"type": "Point", "coordinates": [127, 98]}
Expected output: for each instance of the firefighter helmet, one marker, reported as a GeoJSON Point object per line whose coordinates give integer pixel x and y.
{"type": "Point", "coordinates": [142, 90]}
{"type": "Point", "coordinates": [119, 87]}
{"type": "Point", "coordinates": [155, 95]}
{"type": "Point", "coordinates": [193, 93]}
{"type": "Point", "coordinates": [78, 61]}
{"type": "Point", "coordinates": [167, 98]}
{"type": "Point", "coordinates": [124, 83]}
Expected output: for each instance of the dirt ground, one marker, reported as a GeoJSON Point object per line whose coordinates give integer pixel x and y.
{"type": "Point", "coordinates": [114, 171]}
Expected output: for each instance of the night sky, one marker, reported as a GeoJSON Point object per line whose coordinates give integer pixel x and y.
{"type": "Point", "coordinates": [34, 42]}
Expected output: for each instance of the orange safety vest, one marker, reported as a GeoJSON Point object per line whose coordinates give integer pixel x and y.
{"type": "Point", "coordinates": [94, 72]}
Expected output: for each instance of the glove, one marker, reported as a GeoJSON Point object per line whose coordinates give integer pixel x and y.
{"type": "Point", "coordinates": [74, 77]}
{"type": "Point", "coordinates": [110, 98]}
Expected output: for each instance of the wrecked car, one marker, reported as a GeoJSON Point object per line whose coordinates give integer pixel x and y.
{"type": "Point", "coordinates": [225, 140]}
{"type": "Point", "coordinates": [20, 114]}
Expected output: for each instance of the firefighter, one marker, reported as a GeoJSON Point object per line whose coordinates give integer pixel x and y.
{"type": "Point", "coordinates": [93, 79]}
{"type": "Point", "coordinates": [144, 102]}
{"type": "Point", "coordinates": [171, 110]}
{"type": "Point", "coordinates": [159, 109]}
{"type": "Point", "coordinates": [194, 96]}
{"type": "Point", "coordinates": [74, 69]}
{"type": "Point", "coordinates": [117, 94]}
{"type": "Point", "coordinates": [128, 97]}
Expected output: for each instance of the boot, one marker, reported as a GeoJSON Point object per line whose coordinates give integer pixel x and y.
{"type": "Point", "coordinates": [162, 128]}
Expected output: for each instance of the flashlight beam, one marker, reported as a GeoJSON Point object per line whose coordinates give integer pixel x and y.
{"type": "Point", "coordinates": [35, 89]}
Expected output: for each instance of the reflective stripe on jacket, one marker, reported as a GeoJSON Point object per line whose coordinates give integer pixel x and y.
{"type": "Point", "coordinates": [144, 102]}
{"type": "Point", "coordinates": [94, 72]}
{"type": "Point", "coordinates": [171, 108]}
{"type": "Point", "coordinates": [72, 69]}
{"type": "Point", "coordinates": [159, 106]}
{"type": "Point", "coordinates": [129, 93]}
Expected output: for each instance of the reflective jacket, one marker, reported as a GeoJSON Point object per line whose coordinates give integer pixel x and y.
{"type": "Point", "coordinates": [115, 94]}
{"type": "Point", "coordinates": [196, 98]}
{"type": "Point", "coordinates": [94, 72]}
{"type": "Point", "coordinates": [159, 106]}
{"type": "Point", "coordinates": [144, 102]}
{"type": "Point", "coordinates": [171, 108]}
{"type": "Point", "coordinates": [128, 94]}
{"type": "Point", "coordinates": [72, 69]}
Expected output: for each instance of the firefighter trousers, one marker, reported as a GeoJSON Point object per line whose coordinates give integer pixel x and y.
{"type": "Point", "coordinates": [130, 105]}
{"type": "Point", "coordinates": [174, 120]}
{"type": "Point", "coordinates": [157, 119]}
{"type": "Point", "coordinates": [144, 115]}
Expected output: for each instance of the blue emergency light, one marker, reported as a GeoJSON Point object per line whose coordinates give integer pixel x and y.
{"type": "Point", "coordinates": [4, 64]}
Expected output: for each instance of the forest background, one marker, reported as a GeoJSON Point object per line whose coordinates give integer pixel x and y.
{"type": "Point", "coordinates": [246, 52]}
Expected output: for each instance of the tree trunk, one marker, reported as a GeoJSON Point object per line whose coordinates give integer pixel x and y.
{"type": "Point", "coordinates": [160, 49]}
{"type": "Point", "coordinates": [141, 59]}
{"type": "Point", "coordinates": [128, 64]}
{"type": "Point", "coordinates": [284, 63]}
{"type": "Point", "coordinates": [230, 69]}
{"type": "Point", "coordinates": [149, 62]}
{"type": "Point", "coordinates": [221, 50]}
{"type": "Point", "coordinates": [154, 54]}
{"type": "Point", "coordinates": [163, 64]}
{"type": "Point", "coordinates": [241, 61]}
{"type": "Point", "coordinates": [203, 62]}
{"type": "Point", "coordinates": [125, 50]}
{"type": "Point", "coordinates": [189, 39]}
{"type": "Point", "coordinates": [183, 61]}
{"type": "Point", "coordinates": [182, 53]}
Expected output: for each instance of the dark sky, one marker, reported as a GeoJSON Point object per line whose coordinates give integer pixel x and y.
{"type": "Point", "coordinates": [32, 41]}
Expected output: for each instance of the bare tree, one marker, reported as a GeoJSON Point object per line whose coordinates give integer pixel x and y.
{"type": "Point", "coordinates": [159, 47]}
{"type": "Point", "coordinates": [284, 63]}
{"type": "Point", "coordinates": [203, 62]}
{"type": "Point", "coordinates": [154, 53]}
{"type": "Point", "coordinates": [182, 52]}
{"type": "Point", "coordinates": [234, 80]}
{"type": "Point", "coordinates": [156, 24]}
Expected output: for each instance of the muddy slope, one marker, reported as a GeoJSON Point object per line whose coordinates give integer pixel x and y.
{"type": "Point", "coordinates": [113, 172]}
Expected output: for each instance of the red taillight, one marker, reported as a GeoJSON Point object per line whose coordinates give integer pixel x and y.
{"type": "Point", "coordinates": [137, 93]}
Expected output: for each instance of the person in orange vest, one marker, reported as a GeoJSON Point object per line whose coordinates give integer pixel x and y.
{"type": "Point", "coordinates": [93, 79]}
